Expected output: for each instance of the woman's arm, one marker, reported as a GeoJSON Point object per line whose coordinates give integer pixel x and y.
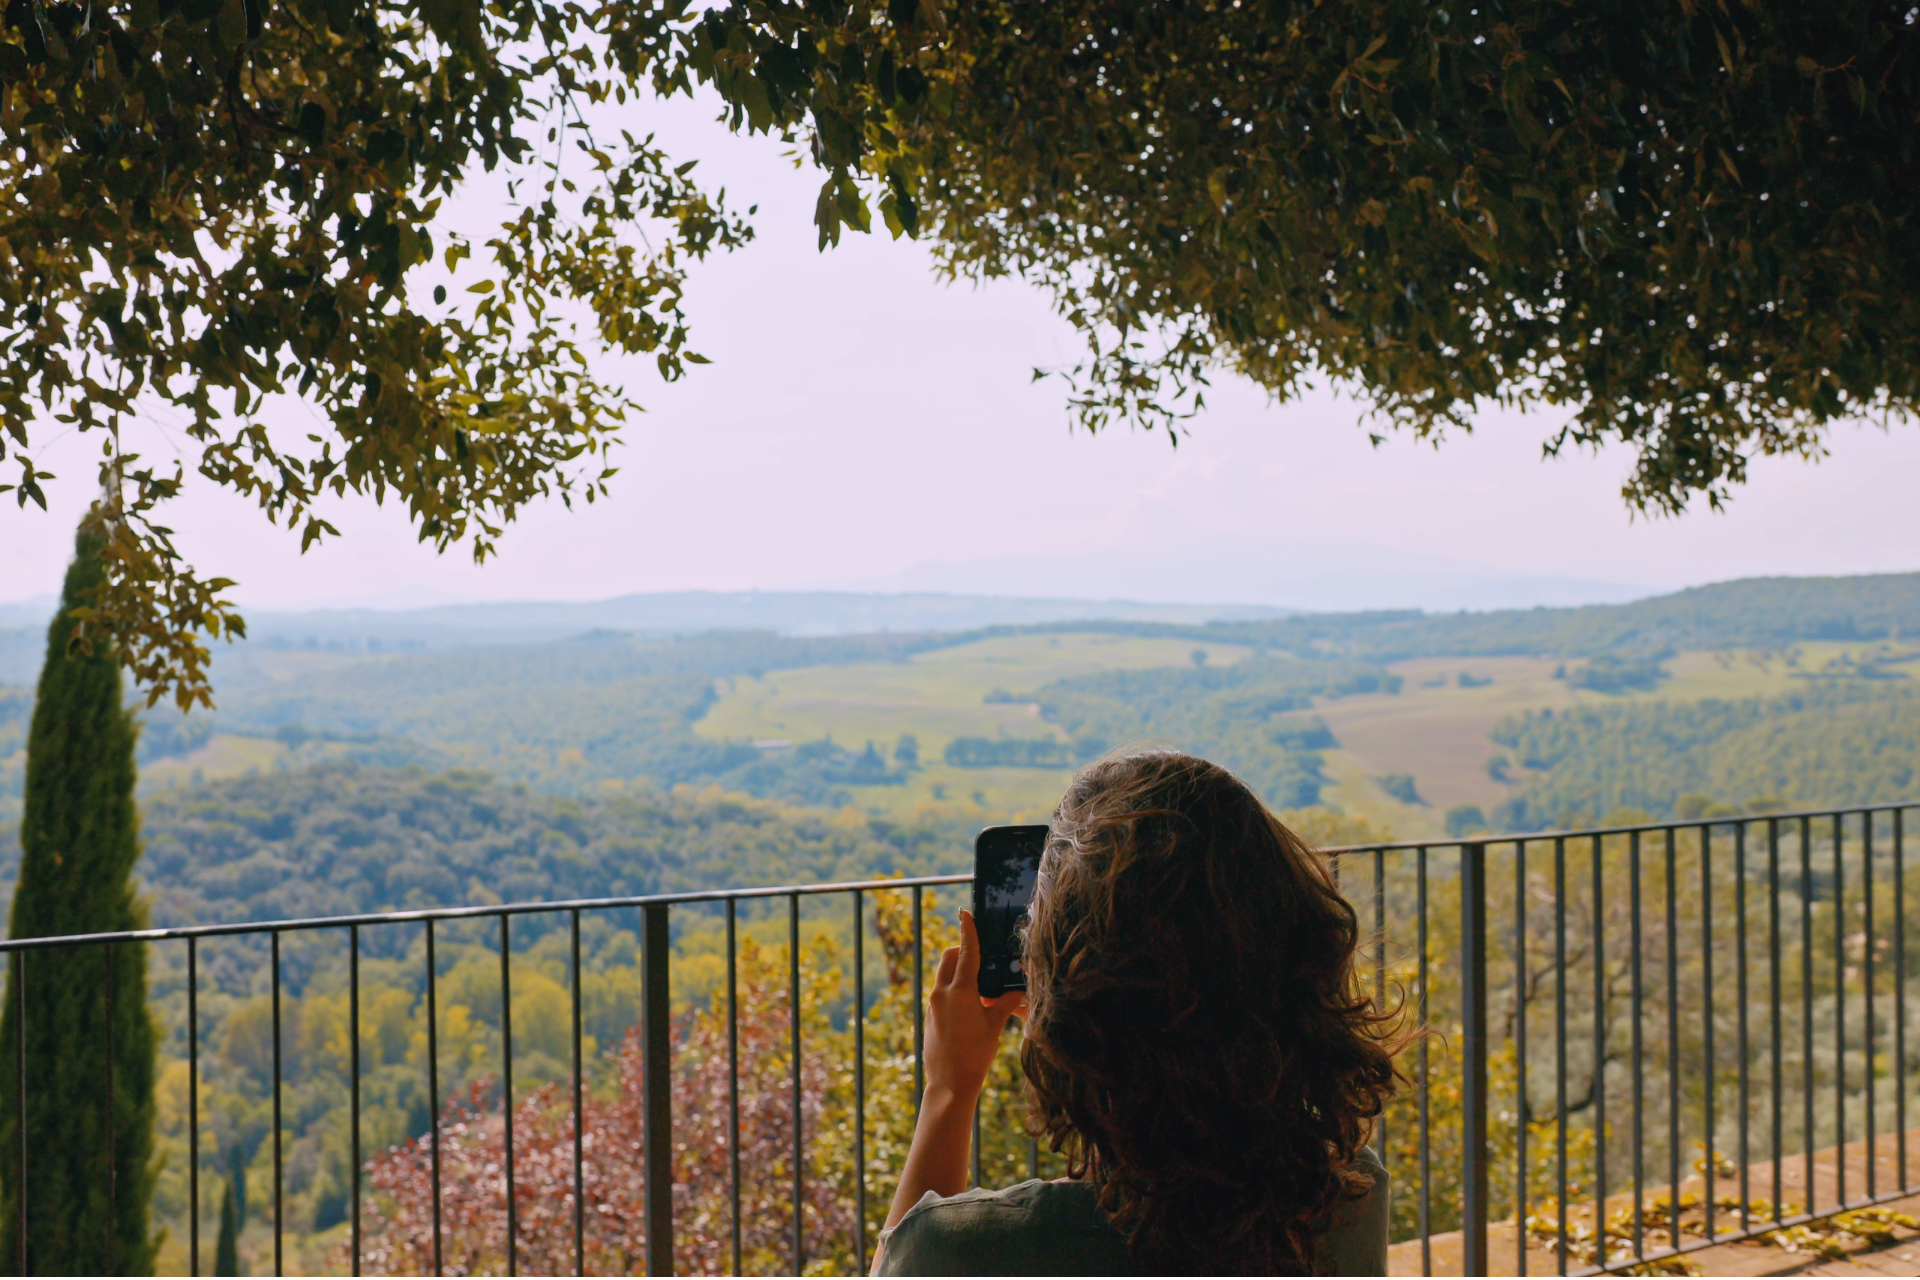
{"type": "Point", "coordinates": [963, 1033]}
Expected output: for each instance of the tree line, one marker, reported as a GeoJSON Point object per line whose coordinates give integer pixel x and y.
{"type": "Point", "coordinates": [1744, 613]}
{"type": "Point", "coordinates": [1841, 742]}
{"type": "Point", "coordinates": [1250, 716]}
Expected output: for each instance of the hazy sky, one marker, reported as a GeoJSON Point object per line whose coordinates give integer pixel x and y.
{"type": "Point", "coordinates": [866, 426]}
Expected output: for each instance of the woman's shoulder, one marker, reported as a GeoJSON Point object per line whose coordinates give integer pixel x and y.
{"type": "Point", "coordinates": [1059, 1228]}
{"type": "Point", "coordinates": [1031, 1228]}
{"type": "Point", "coordinates": [1354, 1240]}
{"type": "Point", "coordinates": [1368, 1162]}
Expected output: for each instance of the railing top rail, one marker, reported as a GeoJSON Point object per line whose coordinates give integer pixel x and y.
{"type": "Point", "coordinates": [845, 886]}
{"type": "Point", "coordinates": [474, 913]}
{"type": "Point", "coordinates": [1587, 833]}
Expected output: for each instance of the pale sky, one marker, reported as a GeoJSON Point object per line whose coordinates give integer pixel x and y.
{"type": "Point", "coordinates": [865, 426]}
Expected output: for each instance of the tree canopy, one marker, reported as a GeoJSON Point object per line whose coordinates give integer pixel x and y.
{"type": "Point", "coordinates": [1686, 228]}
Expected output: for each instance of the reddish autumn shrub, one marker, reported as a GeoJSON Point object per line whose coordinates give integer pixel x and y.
{"type": "Point", "coordinates": [473, 1221]}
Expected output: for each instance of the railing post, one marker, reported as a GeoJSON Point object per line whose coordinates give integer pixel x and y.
{"type": "Point", "coordinates": [657, 1124]}
{"type": "Point", "coordinates": [1473, 1093]}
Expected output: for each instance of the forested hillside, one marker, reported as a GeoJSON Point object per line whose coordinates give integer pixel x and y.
{"type": "Point", "coordinates": [563, 716]}
{"type": "Point", "coordinates": [1837, 744]}
{"type": "Point", "coordinates": [16, 709]}
{"type": "Point", "coordinates": [1247, 716]}
{"type": "Point", "coordinates": [1752, 612]}
{"type": "Point", "coordinates": [347, 838]}
{"type": "Point", "coordinates": [894, 723]}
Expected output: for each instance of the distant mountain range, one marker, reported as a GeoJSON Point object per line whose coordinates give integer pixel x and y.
{"type": "Point", "coordinates": [790, 613]}
{"type": "Point", "coordinates": [1750, 611]}
{"type": "Point", "coordinates": [793, 613]}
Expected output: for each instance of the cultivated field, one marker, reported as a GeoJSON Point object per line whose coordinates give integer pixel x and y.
{"type": "Point", "coordinates": [1435, 729]}
{"type": "Point", "coordinates": [937, 697]}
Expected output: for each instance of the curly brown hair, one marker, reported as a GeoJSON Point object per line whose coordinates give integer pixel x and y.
{"type": "Point", "coordinates": [1197, 1044]}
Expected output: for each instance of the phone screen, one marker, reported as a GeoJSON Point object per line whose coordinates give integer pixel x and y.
{"type": "Point", "coordinates": [1006, 861]}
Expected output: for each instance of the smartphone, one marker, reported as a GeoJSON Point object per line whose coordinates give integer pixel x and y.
{"type": "Point", "coordinates": [1006, 861]}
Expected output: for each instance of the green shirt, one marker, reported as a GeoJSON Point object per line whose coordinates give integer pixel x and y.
{"type": "Point", "coordinates": [1058, 1229]}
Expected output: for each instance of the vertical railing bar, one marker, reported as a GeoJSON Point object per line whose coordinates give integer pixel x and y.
{"type": "Point", "coordinates": [1520, 1052]}
{"type": "Point", "coordinates": [1806, 1005]}
{"type": "Point", "coordinates": [793, 1023]}
{"type": "Point", "coordinates": [1839, 1016]}
{"type": "Point", "coordinates": [113, 1146]}
{"type": "Point", "coordinates": [1560, 1042]}
{"type": "Point", "coordinates": [1866, 1031]}
{"type": "Point", "coordinates": [1379, 989]}
{"type": "Point", "coordinates": [1600, 1010]}
{"type": "Point", "coordinates": [980, 1100]}
{"type": "Point", "coordinates": [1705, 837]}
{"type": "Point", "coordinates": [977, 1103]}
{"type": "Point", "coordinates": [1773, 1001]}
{"type": "Point", "coordinates": [919, 1004]}
{"type": "Point", "coordinates": [1426, 1166]}
{"type": "Point", "coordinates": [1740, 967]}
{"type": "Point", "coordinates": [1473, 1091]}
{"type": "Point", "coordinates": [506, 1093]}
{"type": "Point", "coordinates": [193, 1105]}
{"type": "Point", "coordinates": [1673, 1041]}
{"type": "Point", "coordinates": [733, 1076]}
{"type": "Point", "coordinates": [656, 1048]}
{"type": "Point", "coordinates": [353, 1052]}
{"type": "Point", "coordinates": [20, 1083]}
{"type": "Point", "coordinates": [278, 1244]}
{"type": "Point", "coordinates": [859, 1081]}
{"type": "Point", "coordinates": [433, 1094]}
{"type": "Point", "coordinates": [579, 1108]}
{"type": "Point", "coordinates": [1639, 1061]}
{"type": "Point", "coordinates": [1899, 993]}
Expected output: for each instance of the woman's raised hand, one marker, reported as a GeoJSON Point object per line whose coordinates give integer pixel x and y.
{"type": "Point", "coordinates": [963, 1027]}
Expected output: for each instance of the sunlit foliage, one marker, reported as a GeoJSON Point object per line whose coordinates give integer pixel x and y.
{"type": "Point", "coordinates": [1685, 230]}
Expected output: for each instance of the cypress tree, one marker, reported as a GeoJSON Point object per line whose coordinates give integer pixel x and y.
{"type": "Point", "coordinates": [84, 1162]}
{"type": "Point", "coordinates": [226, 1250]}
{"type": "Point", "coordinates": [237, 1183]}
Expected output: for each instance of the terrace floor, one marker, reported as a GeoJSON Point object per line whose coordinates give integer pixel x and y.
{"type": "Point", "coordinates": [1896, 1253]}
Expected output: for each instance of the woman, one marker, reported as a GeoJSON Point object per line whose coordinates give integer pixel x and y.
{"type": "Point", "coordinates": [1196, 1045]}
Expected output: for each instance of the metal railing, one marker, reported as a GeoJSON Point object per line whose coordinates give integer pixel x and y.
{"type": "Point", "coordinates": [1619, 942]}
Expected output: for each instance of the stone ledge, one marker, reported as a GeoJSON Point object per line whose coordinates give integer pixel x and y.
{"type": "Point", "coordinates": [1744, 1258]}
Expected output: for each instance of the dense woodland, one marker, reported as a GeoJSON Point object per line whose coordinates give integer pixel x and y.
{"type": "Point", "coordinates": [347, 837]}
{"type": "Point", "coordinates": [1763, 612]}
{"type": "Point", "coordinates": [1250, 716]}
{"type": "Point", "coordinates": [1840, 743]}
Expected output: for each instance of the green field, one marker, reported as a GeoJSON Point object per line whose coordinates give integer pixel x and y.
{"type": "Point", "coordinates": [937, 697]}
{"type": "Point", "coordinates": [1433, 729]}
{"type": "Point", "coordinates": [1438, 732]}
{"type": "Point", "coordinates": [226, 755]}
